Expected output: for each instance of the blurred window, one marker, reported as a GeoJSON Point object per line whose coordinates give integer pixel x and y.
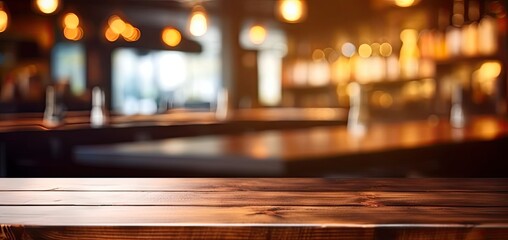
{"type": "Point", "coordinates": [147, 82]}
{"type": "Point", "coordinates": [68, 66]}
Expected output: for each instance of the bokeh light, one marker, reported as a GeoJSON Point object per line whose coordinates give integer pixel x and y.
{"type": "Point", "coordinates": [47, 6]}
{"type": "Point", "coordinates": [257, 34]}
{"type": "Point", "coordinates": [365, 51]}
{"type": "Point", "coordinates": [490, 69]}
{"type": "Point", "coordinates": [382, 99]}
{"type": "Point", "coordinates": [110, 35]}
{"type": "Point", "coordinates": [385, 49]}
{"type": "Point", "coordinates": [348, 49]}
{"type": "Point", "coordinates": [4, 18]}
{"type": "Point", "coordinates": [129, 31]}
{"type": "Point", "coordinates": [318, 55]}
{"type": "Point", "coordinates": [136, 34]}
{"type": "Point", "coordinates": [198, 24]}
{"type": "Point", "coordinates": [72, 31]}
{"type": "Point", "coordinates": [70, 20]}
{"type": "Point", "coordinates": [292, 10]}
{"type": "Point", "coordinates": [171, 36]}
{"type": "Point", "coordinates": [73, 34]}
{"type": "Point", "coordinates": [409, 35]}
{"type": "Point", "coordinates": [116, 24]}
{"type": "Point", "coordinates": [404, 3]}
{"type": "Point", "coordinates": [118, 27]}
{"type": "Point", "coordinates": [385, 100]}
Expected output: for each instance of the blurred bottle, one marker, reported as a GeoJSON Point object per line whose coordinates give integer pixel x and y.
{"type": "Point", "coordinates": [166, 102]}
{"type": "Point", "coordinates": [357, 117]}
{"type": "Point", "coordinates": [54, 111]}
{"type": "Point", "coordinates": [97, 115]}
{"type": "Point", "coordinates": [487, 36]}
{"type": "Point", "coordinates": [221, 111]}
{"type": "Point", "coordinates": [453, 42]}
{"type": "Point", "coordinates": [457, 116]}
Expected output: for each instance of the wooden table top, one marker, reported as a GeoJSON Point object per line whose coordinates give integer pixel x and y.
{"type": "Point", "coordinates": [270, 152]}
{"type": "Point", "coordinates": [294, 208]}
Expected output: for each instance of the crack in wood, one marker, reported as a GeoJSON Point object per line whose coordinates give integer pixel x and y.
{"type": "Point", "coordinates": [274, 212]}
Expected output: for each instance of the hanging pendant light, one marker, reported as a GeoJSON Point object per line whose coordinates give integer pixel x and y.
{"type": "Point", "coordinates": [47, 6]}
{"type": "Point", "coordinates": [404, 3]}
{"type": "Point", "coordinates": [291, 11]}
{"type": "Point", "coordinates": [198, 22]}
{"type": "Point", "coordinates": [4, 17]}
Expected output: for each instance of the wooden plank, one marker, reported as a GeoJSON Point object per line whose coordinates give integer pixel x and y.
{"type": "Point", "coordinates": [253, 184]}
{"type": "Point", "coordinates": [253, 209]}
{"type": "Point", "coordinates": [317, 233]}
{"type": "Point", "coordinates": [97, 232]}
{"type": "Point", "coordinates": [290, 216]}
{"type": "Point", "coordinates": [246, 198]}
{"type": "Point", "coordinates": [147, 232]}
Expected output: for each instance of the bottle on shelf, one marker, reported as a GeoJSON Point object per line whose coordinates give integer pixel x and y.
{"type": "Point", "coordinates": [357, 116]}
{"type": "Point", "coordinates": [457, 116]}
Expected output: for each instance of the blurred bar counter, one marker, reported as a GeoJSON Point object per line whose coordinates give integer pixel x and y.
{"type": "Point", "coordinates": [29, 148]}
{"type": "Point", "coordinates": [315, 141]}
{"type": "Point", "coordinates": [431, 148]}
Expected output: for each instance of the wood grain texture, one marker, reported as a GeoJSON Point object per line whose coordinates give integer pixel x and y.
{"type": "Point", "coordinates": [247, 233]}
{"type": "Point", "coordinates": [314, 216]}
{"type": "Point", "coordinates": [248, 198]}
{"type": "Point", "coordinates": [289, 208]}
{"type": "Point", "coordinates": [255, 184]}
{"type": "Point", "coordinates": [261, 233]}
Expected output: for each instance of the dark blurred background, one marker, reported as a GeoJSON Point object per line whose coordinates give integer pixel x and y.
{"type": "Point", "coordinates": [159, 59]}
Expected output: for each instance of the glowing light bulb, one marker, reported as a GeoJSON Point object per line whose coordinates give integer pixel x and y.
{"type": "Point", "coordinates": [110, 35]}
{"type": "Point", "coordinates": [116, 24]}
{"type": "Point", "coordinates": [47, 6]}
{"type": "Point", "coordinates": [71, 20]}
{"type": "Point", "coordinates": [198, 24]}
{"type": "Point", "coordinates": [404, 3]}
{"type": "Point", "coordinates": [129, 31]}
{"type": "Point", "coordinates": [73, 34]}
{"type": "Point", "coordinates": [292, 10]}
{"type": "Point", "coordinates": [4, 18]}
{"type": "Point", "coordinates": [171, 36]}
{"type": "Point", "coordinates": [136, 34]}
{"type": "Point", "coordinates": [257, 34]}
